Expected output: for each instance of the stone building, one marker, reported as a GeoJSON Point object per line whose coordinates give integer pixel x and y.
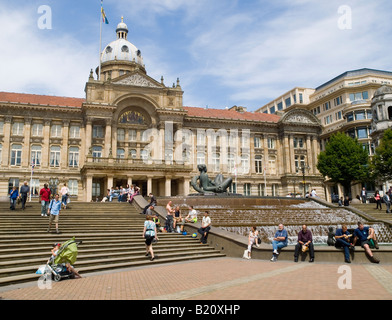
{"type": "Point", "coordinates": [133, 129]}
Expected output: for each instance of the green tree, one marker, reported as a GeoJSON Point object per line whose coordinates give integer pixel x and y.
{"type": "Point", "coordinates": [381, 164]}
{"type": "Point", "coordinates": [344, 161]}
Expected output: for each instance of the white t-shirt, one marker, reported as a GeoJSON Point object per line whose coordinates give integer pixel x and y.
{"type": "Point", "coordinates": [64, 190]}
{"type": "Point", "coordinates": [206, 221]}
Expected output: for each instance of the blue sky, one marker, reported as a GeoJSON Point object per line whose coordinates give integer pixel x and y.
{"type": "Point", "coordinates": [225, 52]}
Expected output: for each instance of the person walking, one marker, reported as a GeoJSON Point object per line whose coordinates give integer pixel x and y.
{"type": "Point", "coordinates": [54, 212]}
{"type": "Point", "coordinates": [44, 198]}
{"type": "Point", "coordinates": [149, 234]}
{"type": "Point", "coordinates": [24, 192]}
{"type": "Point", "coordinates": [363, 195]}
{"type": "Point", "coordinates": [387, 200]}
{"type": "Point", "coordinates": [64, 195]}
{"type": "Point", "coordinates": [14, 194]}
{"type": "Point", "coordinates": [377, 197]}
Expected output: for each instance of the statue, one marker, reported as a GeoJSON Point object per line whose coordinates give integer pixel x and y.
{"type": "Point", "coordinates": [207, 185]}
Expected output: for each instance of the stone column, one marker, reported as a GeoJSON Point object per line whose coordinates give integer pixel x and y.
{"type": "Point", "coordinates": [89, 188]}
{"type": "Point", "coordinates": [265, 155]}
{"type": "Point", "coordinates": [291, 143]}
{"type": "Point", "coordinates": [186, 186]}
{"type": "Point", "coordinates": [309, 154]}
{"type": "Point", "coordinates": [88, 134]}
{"type": "Point", "coordinates": [149, 185]}
{"type": "Point", "coordinates": [26, 159]}
{"type": "Point", "coordinates": [109, 182]}
{"type": "Point", "coordinates": [108, 139]}
{"type": "Point", "coordinates": [45, 146]}
{"type": "Point", "coordinates": [6, 142]}
{"type": "Point", "coordinates": [64, 148]}
{"type": "Point", "coordinates": [167, 186]}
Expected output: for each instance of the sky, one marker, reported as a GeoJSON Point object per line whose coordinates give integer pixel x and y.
{"type": "Point", "coordinates": [225, 52]}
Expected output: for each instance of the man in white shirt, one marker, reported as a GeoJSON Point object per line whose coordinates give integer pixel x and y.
{"type": "Point", "coordinates": [192, 215]}
{"type": "Point", "coordinates": [205, 228]}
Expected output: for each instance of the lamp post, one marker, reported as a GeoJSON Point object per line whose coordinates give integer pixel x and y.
{"type": "Point", "coordinates": [303, 168]}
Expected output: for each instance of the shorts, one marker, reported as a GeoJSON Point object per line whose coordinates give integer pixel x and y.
{"type": "Point", "coordinates": [149, 239]}
{"type": "Point", "coordinates": [54, 218]}
{"type": "Point", "coordinates": [365, 242]}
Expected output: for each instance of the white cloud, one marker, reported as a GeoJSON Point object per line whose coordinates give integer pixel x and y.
{"type": "Point", "coordinates": [39, 61]}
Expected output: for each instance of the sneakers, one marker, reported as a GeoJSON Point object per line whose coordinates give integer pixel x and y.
{"type": "Point", "coordinates": [374, 259]}
{"type": "Point", "coordinates": [276, 252]}
{"type": "Point", "coordinates": [273, 259]}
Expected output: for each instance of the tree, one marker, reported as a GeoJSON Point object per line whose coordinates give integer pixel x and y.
{"type": "Point", "coordinates": [344, 161]}
{"type": "Point", "coordinates": [381, 164]}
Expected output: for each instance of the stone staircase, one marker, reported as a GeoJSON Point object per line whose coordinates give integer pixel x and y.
{"type": "Point", "coordinates": [369, 209]}
{"type": "Point", "coordinates": [111, 235]}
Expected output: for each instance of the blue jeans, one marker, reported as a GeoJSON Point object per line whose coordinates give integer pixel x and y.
{"type": "Point", "coordinates": [44, 207]}
{"type": "Point", "coordinates": [276, 245]}
{"type": "Point", "coordinates": [345, 245]}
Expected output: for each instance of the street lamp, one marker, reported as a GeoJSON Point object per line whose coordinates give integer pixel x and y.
{"type": "Point", "coordinates": [303, 168]}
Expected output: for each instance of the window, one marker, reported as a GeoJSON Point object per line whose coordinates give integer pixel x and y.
{"type": "Point", "coordinates": [145, 154]}
{"type": "Point", "coordinates": [133, 153]}
{"type": "Point", "coordinates": [288, 102]}
{"type": "Point", "coordinates": [259, 164]}
{"type": "Point", "coordinates": [98, 132]}
{"type": "Point", "coordinates": [36, 130]}
{"type": "Point", "coordinates": [73, 187]}
{"type": "Point", "coordinates": [257, 142]}
{"type": "Point", "coordinates": [275, 190]}
{"type": "Point", "coordinates": [247, 189]}
{"type": "Point", "coordinates": [132, 135]}
{"type": "Point", "coordinates": [120, 134]}
{"type": "Point", "coordinates": [230, 163]}
{"type": "Point", "coordinates": [245, 163]}
{"type": "Point", "coordinates": [201, 138]}
{"type": "Point", "coordinates": [280, 106]}
{"type": "Point", "coordinates": [272, 110]}
{"type": "Point", "coordinates": [36, 155]}
{"type": "Point", "coordinates": [1, 126]}
{"type": "Point", "coordinates": [120, 153]}
{"type": "Point", "coordinates": [338, 115]}
{"type": "Point", "coordinates": [16, 155]}
{"type": "Point", "coordinates": [271, 143]}
{"type": "Point", "coordinates": [216, 162]}
{"type": "Point", "coordinates": [55, 131]}
{"type": "Point", "coordinates": [73, 157]}
{"type": "Point", "coordinates": [74, 132]}
{"type": "Point", "coordinates": [96, 192]}
{"type": "Point", "coordinates": [168, 154]}
{"type": "Point", "coordinates": [17, 128]}
{"type": "Point", "coordinates": [261, 189]}
{"type": "Point", "coordinates": [350, 117]}
{"type": "Point", "coordinates": [362, 133]}
{"type": "Point", "coordinates": [233, 188]}
{"type": "Point", "coordinates": [97, 152]}
{"type": "Point", "coordinates": [55, 156]}
{"type": "Point", "coordinates": [359, 96]}
{"type": "Point", "coordinates": [326, 106]}
{"type": "Point", "coordinates": [360, 115]}
{"type": "Point", "coordinates": [34, 187]}
{"type": "Point", "coordinates": [301, 99]}
{"type": "Point", "coordinates": [200, 158]}
{"type": "Point", "coordinates": [338, 101]}
{"type": "Point", "coordinates": [298, 143]}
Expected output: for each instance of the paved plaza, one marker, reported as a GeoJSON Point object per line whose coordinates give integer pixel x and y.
{"type": "Point", "coordinates": [220, 279]}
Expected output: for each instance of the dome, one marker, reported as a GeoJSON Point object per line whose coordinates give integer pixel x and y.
{"type": "Point", "coordinates": [121, 49]}
{"type": "Point", "coordinates": [383, 90]}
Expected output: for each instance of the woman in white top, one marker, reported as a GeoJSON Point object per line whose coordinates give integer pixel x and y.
{"type": "Point", "coordinates": [64, 195]}
{"type": "Point", "coordinates": [149, 234]}
{"type": "Point", "coordinates": [252, 239]}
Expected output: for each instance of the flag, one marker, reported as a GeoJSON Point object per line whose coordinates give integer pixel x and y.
{"type": "Point", "coordinates": [104, 18]}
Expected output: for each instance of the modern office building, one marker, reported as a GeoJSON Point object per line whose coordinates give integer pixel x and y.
{"type": "Point", "coordinates": [341, 104]}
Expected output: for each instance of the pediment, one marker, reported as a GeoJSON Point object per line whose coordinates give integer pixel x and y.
{"type": "Point", "coordinates": [300, 117]}
{"type": "Point", "coordinates": [137, 80]}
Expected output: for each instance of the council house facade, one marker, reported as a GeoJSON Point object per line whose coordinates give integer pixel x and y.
{"type": "Point", "coordinates": [133, 129]}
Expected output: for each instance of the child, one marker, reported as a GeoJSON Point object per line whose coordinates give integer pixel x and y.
{"type": "Point", "coordinates": [70, 268]}
{"type": "Point", "coordinates": [13, 196]}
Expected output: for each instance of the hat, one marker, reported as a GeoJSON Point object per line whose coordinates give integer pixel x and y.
{"type": "Point", "coordinates": [56, 244]}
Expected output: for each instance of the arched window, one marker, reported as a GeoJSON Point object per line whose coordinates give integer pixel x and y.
{"type": "Point", "coordinates": [132, 117]}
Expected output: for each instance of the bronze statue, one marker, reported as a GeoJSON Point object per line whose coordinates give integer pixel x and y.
{"type": "Point", "coordinates": [219, 185]}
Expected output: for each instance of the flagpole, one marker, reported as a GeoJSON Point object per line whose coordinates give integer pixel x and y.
{"type": "Point", "coordinates": [100, 41]}
{"type": "Point", "coordinates": [31, 180]}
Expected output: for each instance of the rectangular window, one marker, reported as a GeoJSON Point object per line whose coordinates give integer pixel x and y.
{"type": "Point", "coordinates": [132, 135]}
{"type": "Point", "coordinates": [360, 115]}
{"type": "Point", "coordinates": [17, 128]}
{"type": "Point", "coordinates": [98, 132]}
{"type": "Point", "coordinates": [257, 142]}
{"type": "Point", "coordinates": [247, 189]}
{"type": "Point", "coordinates": [261, 189]}
{"type": "Point", "coordinates": [288, 102]}
{"type": "Point", "coordinates": [258, 164]}
{"type": "Point", "coordinates": [34, 187]}
{"type": "Point", "coordinates": [55, 156]}
{"type": "Point", "coordinates": [301, 99]}
{"type": "Point", "coordinates": [36, 155]}
{"type": "Point", "coordinates": [275, 190]}
{"type": "Point", "coordinates": [120, 134]}
{"type": "Point", "coordinates": [280, 106]}
{"type": "Point", "coordinates": [362, 133]}
{"type": "Point", "coordinates": [73, 187]}
{"type": "Point", "coordinates": [73, 157]}
{"type": "Point", "coordinates": [230, 163]}
{"type": "Point", "coordinates": [272, 110]}
{"type": "Point", "coordinates": [36, 130]}
{"type": "Point", "coordinates": [74, 132]}
{"type": "Point", "coordinates": [271, 143]}
{"type": "Point", "coordinates": [16, 155]}
{"type": "Point", "coordinates": [55, 131]}
{"type": "Point", "coordinates": [245, 163]}
{"type": "Point", "coordinates": [97, 152]}
{"type": "Point", "coordinates": [216, 162]}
